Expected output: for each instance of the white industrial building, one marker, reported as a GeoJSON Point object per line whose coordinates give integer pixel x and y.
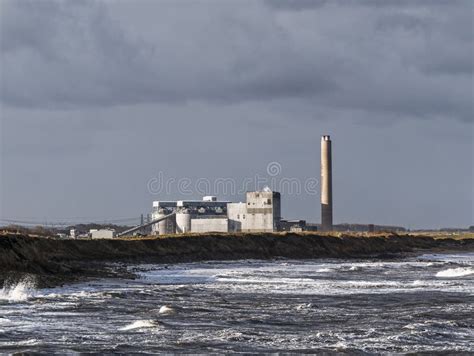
{"type": "Point", "coordinates": [102, 233]}
{"type": "Point", "coordinates": [260, 213]}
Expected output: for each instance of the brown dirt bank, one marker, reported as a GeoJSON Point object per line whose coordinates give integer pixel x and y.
{"type": "Point", "coordinates": [56, 261]}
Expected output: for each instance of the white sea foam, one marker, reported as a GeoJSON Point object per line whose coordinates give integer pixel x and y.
{"type": "Point", "coordinates": [414, 326]}
{"type": "Point", "coordinates": [27, 342]}
{"type": "Point", "coordinates": [340, 346]}
{"type": "Point", "coordinates": [19, 291]}
{"type": "Point", "coordinates": [303, 278]}
{"type": "Point", "coordinates": [166, 310]}
{"type": "Point", "coordinates": [430, 323]}
{"type": "Point", "coordinates": [230, 335]}
{"type": "Point", "coordinates": [72, 293]}
{"type": "Point", "coordinates": [455, 272]}
{"type": "Point", "coordinates": [304, 306]}
{"type": "Point", "coordinates": [139, 324]}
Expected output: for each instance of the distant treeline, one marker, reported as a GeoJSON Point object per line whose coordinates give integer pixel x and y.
{"type": "Point", "coordinates": [361, 227]}
{"type": "Point", "coordinates": [450, 229]}
{"type": "Point", "coordinates": [365, 227]}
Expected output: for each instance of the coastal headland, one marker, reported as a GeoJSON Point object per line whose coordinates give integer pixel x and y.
{"type": "Point", "coordinates": [53, 261]}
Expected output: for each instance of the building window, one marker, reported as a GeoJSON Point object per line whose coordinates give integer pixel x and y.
{"type": "Point", "coordinates": [238, 216]}
{"type": "Point", "coordinates": [243, 216]}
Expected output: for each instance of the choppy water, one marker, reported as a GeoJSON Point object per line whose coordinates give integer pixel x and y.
{"type": "Point", "coordinates": [417, 304]}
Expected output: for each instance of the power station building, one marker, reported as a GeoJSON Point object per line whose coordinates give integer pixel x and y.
{"type": "Point", "coordinates": [260, 213]}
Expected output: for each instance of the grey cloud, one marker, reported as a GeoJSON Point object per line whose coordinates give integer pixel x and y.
{"type": "Point", "coordinates": [298, 5]}
{"type": "Point", "coordinates": [404, 60]}
{"type": "Point", "coordinates": [399, 173]}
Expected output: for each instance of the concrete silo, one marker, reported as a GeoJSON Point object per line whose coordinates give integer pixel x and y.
{"type": "Point", "coordinates": [183, 221]}
{"type": "Point", "coordinates": [167, 226]}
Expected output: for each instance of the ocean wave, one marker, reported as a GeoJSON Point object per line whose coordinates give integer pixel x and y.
{"type": "Point", "coordinates": [252, 308]}
{"type": "Point", "coordinates": [304, 306]}
{"type": "Point", "coordinates": [230, 335]}
{"type": "Point", "coordinates": [442, 324]}
{"type": "Point", "coordinates": [455, 272]}
{"type": "Point", "coordinates": [354, 268]}
{"type": "Point", "coordinates": [166, 310]}
{"type": "Point", "coordinates": [4, 321]}
{"type": "Point", "coordinates": [139, 324]}
{"type": "Point", "coordinates": [19, 291]}
{"type": "Point", "coordinates": [27, 342]}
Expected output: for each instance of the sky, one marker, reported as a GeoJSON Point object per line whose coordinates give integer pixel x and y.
{"type": "Point", "coordinates": [102, 100]}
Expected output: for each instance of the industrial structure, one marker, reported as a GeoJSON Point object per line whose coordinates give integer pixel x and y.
{"type": "Point", "coordinates": [260, 213]}
{"type": "Point", "coordinates": [102, 233]}
{"type": "Point", "coordinates": [326, 183]}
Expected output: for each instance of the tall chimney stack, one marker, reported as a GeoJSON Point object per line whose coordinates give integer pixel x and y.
{"type": "Point", "coordinates": [326, 184]}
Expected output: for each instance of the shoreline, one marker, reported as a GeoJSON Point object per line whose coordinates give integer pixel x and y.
{"type": "Point", "coordinates": [53, 262]}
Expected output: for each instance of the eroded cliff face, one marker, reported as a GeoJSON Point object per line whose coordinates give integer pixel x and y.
{"type": "Point", "coordinates": [56, 261]}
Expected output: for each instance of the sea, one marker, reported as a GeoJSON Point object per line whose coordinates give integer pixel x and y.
{"type": "Point", "coordinates": [416, 304]}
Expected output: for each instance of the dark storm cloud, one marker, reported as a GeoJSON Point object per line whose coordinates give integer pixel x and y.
{"type": "Point", "coordinates": [411, 59]}
{"type": "Point", "coordinates": [98, 97]}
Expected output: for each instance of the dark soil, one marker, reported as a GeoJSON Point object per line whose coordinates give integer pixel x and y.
{"type": "Point", "coordinates": [54, 262]}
